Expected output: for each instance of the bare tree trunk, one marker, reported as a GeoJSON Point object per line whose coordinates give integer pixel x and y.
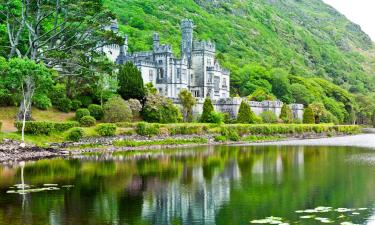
{"type": "Point", "coordinates": [24, 114]}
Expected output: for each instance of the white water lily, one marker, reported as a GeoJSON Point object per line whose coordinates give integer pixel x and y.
{"type": "Point", "coordinates": [307, 216]}
{"type": "Point", "coordinates": [50, 185]}
{"type": "Point", "coordinates": [344, 210]}
{"type": "Point", "coordinates": [269, 220]}
{"type": "Point", "coordinates": [324, 220]}
{"type": "Point", "coordinates": [348, 223]}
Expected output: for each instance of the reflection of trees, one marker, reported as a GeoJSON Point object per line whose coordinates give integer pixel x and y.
{"type": "Point", "coordinates": [225, 185]}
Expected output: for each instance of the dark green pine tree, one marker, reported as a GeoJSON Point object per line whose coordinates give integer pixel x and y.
{"type": "Point", "coordinates": [308, 116]}
{"type": "Point", "coordinates": [245, 114]}
{"type": "Point", "coordinates": [130, 82]}
{"type": "Point", "coordinates": [208, 108]}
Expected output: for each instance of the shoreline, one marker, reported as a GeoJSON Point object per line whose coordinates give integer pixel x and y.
{"type": "Point", "coordinates": [11, 152]}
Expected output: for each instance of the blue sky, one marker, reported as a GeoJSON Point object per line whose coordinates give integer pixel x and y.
{"type": "Point", "coordinates": [361, 12]}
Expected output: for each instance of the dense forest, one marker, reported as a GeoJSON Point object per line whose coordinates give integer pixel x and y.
{"type": "Point", "coordinates": [298, 51]}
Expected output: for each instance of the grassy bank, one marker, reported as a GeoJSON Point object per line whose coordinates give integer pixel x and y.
{"type": "Point", "coordinates": [42, 133]}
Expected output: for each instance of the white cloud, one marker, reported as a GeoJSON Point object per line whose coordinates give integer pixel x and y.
{"type": "Point", "coordinates": [358, 11]}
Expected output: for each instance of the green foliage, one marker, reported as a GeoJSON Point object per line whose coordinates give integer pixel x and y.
{"type": "Point", "coordinates": [1, 124]}
{"type": "Point", "coordinates": [76, 104]}
{"type": "Point", "coordinates": [41, 101]}
{"type": "Point", "coordinates": [96, 111]}
{"type": "Point", "coordinates": [159, 109]}
{"type": "Point", "coordinates": [261, 95]}
{"type": "Point", "coordinates": [85, 100]}
{"type": "Point", "coordinates": [58, 92]}
{"type": "Point", "coordinates": [135, 105]}
{"type": "Point", "coordinates": [188, 102]}
{"type": "Point", "coordinates": [116, 110]}
{"type": "Point", "coordinates": [106, 129]}
{"type": "Point", "coordinates": [318, 110]}
{"type": "Point", "coordinates": [148, 129]}
{"type": "Point", "coordinates": [87, 121]}
{"type": "Point", "coordinates": [220, 138]}
{"type": "Point", "coordinates": [301, 94]}
{"type": "Point", "coordinates": [130, 82]}
{"type": "Point", "coordinates": [81, 113]}
{"type": "Point", "coordinates": [245, 114]}
{"type": "Point", "coordinates": [308, 116]}
{"type": "Point", "coordinates": [286, 114]}
{"type": "Point", "coordinates": [64, 105]}
{"type": "Point", "coordinates": [208, 108]}
{"type": "Point", "coordinates": [44, 127]}
{"type": "Point", "coordinates": [74, 134]}
{"type": "Point", "coordinates": [268, 117]}
{"type": "Point", "coordinates": [281, 85]}
{"type": "Point", "coordinates": [216, 117]}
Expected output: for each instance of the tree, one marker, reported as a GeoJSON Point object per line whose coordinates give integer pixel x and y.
{"type": "Point", "coordinates": [245, 114]}
{"type": "Point", "coordinates": [131, 82]}
{"type": "Point", "coordinates": [318, 110]}
{"type": "Point", "coordinates": [117, 110]}
{"type": "Point", "coordinates": [64, 34]}
{"type": "Point", "coordinates": [207, 109]}
{"type": "Point", "coordinates": [308, 116]}
{"type": "Point", "coordinates": [301, 94]}
{"type": "Point", "coordinates": [159, 109]}
{"type": "Point", "coordinates": [286, 114]}
{"type": "Point", "coordinates": [261, 95]}
{"type": "Point", "coordinates": [281, 85]}
{"type": "Point", "coordinates": [150, 89]}
{"type": "Point", "coordinates": [188, 102]}
{"type": "Point", "coordinates": [26, 77]}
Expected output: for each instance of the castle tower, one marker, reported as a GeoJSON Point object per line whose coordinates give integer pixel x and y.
{"type": "Point", "coordinates": [187, 38]}
{"type": "Point", "coordinates": [155, 41]}
{"type": "Point", "coordinates": [124, 48]}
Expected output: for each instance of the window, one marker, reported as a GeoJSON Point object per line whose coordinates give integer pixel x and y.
{"type": "Point", "coordinates": [151, 75]}
{"type": "Point", "coordinates": [178, 73]}
{"type": "Point", "coordinates": [160, 62]}
{"type": "Point", "coordinates": [160, 91]}
{"type": "Point", "coordinates": [209, 78]}
{"type": "Point", "coordinates": [183, 74]}
{"type": "Point", "coordinates": [196, 93]}
{"type": "Point", "coordinates": [209, 62]}
{"type": "Point", "coordinates": [217, 83]}
{"type": "Point", "coordinates": [160, 73]}
{"type": "Point", "coordinates": [224, 82]}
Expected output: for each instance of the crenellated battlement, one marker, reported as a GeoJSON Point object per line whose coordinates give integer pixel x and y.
{"type": "Point", "coordinates": [163, 49]}
{"type": "Point", "coordinates": [204, 46]}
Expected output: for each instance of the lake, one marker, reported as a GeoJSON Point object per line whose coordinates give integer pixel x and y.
{"type": "Point", "coordinates": [279, 183]}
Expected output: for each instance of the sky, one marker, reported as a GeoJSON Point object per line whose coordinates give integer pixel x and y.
{"type": "Point", "coordinates": [361, 12]}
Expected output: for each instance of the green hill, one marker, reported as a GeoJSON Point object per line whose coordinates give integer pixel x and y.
{"type": "Point", "coordinates": [286, 48]}
{"type": "Point", "coordinates": [306, 37]}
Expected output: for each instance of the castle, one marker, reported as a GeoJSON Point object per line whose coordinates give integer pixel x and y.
{"type": "Point", "coordinates": [197, 71]}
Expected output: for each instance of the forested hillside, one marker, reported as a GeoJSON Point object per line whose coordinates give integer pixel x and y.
{"type": "Point", "coordinates": [283, 47]}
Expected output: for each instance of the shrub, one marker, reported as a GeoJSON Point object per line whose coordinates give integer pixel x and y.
{"type": "Point", "coordinates": [36, 127]}
{"type": "Point", "coordinates": [186, 128]}
{"type": "Point", "coordinates": [220, 138]}
{"type": "Point", "coordinates": [76, 104]}
{"type": "Point", "coordinates": [57, 93]}
{"type": "Point", "coordinates": [116, 110]}
{"type": "Point", "coordinates": [286, 114]}
{"type": "Point", "coordinates": [308, 116]}
{"type": "Point", "coordinates": [64, 105]}
{"type": "Point", "coordinates": [245, 114]}
{"type": "Point", "coordinates": [135, 106]}
{"type": "Point", "coordinates": [74, 134]}
{"type": "Point", "coordinates": [96, 111]}
{"type": "Point", "coordinates": [233, 135]}
{"type": "Point", "coordinates": [45, 127]}
{"type": "Point", "coordinates": [216, 117]}
{"type": "Point", "coordinates": [61, 127]}
{"type": "Point", "coordinates": [106, 129]}
{"type": "Point", "coordinates": [85, 100]}
{"type": "Point", "coordinates": [147, 129]}
{"type": "Point", "coordinates": [87, 121]}
{"type": "Point", "coordinates": [328, 117]}
{"type": "Point", "coordinates": [42, 102]}
{"type": "Point", "coordinates": [207, 109]}
{"type": "Point", "coordinates": [268, 117]}
{"type": "Point", "coordinates": [81, 113]}
{"type": "Point", "coordinates": [159, 109]}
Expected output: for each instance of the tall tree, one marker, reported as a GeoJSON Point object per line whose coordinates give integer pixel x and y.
{"type": "Point", "coordinates": [130, 82]}
{"type": "Point", "coordinates": [286, 114]}
{"type": "Point", "coordinates": [308, 116]}
{"type": "Point", "coordinates": [208, 108]}
{"type": "Point", "coordinates": [188, 102]}
{"type": "Point", "coordinates": [245, 114]}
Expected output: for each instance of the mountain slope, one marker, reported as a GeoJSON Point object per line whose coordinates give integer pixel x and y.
{"type": "Point", "coordinates": [306, 37]}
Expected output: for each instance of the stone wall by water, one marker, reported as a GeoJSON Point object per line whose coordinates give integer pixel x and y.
{"type": "Point", "coordinates": [232, 105]}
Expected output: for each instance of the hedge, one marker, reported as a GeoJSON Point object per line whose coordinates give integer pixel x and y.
{"type": "Point", "coordinates": [45, 127]}
{"type": "Point", "coordinates": [106, 129]}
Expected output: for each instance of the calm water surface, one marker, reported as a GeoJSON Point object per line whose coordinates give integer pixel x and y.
{"type": "Point", "coordinates": [208, 185]}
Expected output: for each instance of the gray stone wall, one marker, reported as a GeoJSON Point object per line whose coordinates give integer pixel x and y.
{"type": "Point", "coordinates": [232, 105]}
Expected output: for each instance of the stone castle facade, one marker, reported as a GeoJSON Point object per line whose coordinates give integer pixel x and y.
{"type": "Point", "coordinates": [197, 71]}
